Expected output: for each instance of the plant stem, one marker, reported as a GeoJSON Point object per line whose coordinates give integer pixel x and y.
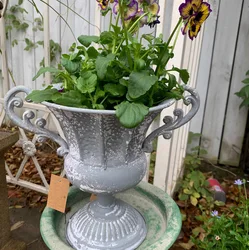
{"type": "Point", "coordinates": [104, 99]}
{"type": "Point", "coordinates": [166, 48]}
{"type": "Point", "coordinates": [115, 40]}
{"type": "Point", "coordinates": [92, 100]}
{"type": "Point", "coordinates": [36, 8]}
{"type": "Point", "coordinates": [110, 24]}
{"type": "Point", "coordinates": [174, 31]}
{"type": "Point", "coordinates": [79, 15]}
{"type": "Point", "coordinates": [130, 31]}
{"type": "Point", "coordinates": [61, 18]}
{"type": "Point", "coordinates": [245, 190]}
{"type": "Point", "coordinates": [135, 23]}
{"type": "Point", "coordinates": [206, 160]}
{"type": "Point", "coordinates": [121, 5]}
{"type": "Point", "coordinates": [176, 38]}
{"type": "Point", "coordinates": [145, 54]}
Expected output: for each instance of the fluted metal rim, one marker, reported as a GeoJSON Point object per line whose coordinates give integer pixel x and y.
{"type": "Point", "coordinates": [161, 106]}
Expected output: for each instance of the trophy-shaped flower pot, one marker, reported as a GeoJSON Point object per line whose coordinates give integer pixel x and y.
{"type": "Point", "coordinates": [104, 158]}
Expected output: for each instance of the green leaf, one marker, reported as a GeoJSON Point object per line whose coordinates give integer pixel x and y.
{"type": "Point", "coordinates": [184, 75]}
{"type": "Point", "coordinates": [187, 191]}
{"type": "Point", "coordinates": [244, 92]}
{"type": "Point", "coordinates": [98, 94]}
{"type": "Point", "coordinates": [196, 231]}
{"type": "Point", "coordinates": [140, 64]}
{"type": "Point", "coordinates": [98, 106]}
{"type": "Point", "coordinates": [71, 98]}
{"type": "Point", "coordinates": [140, 83]}
{"type": "Point", "coordinates": [102, 64]}
{"type": "Point", "coordinates": [164, 56]}
{"type": "Point", "coordinates": [247, 73]}
{"type": "Point", "coordinates": [14, 42]}
{"type": "Point", "coordinates": [116, 29]}
{"type": "Point", "coordinates": [71, 66]}
{"type": "Point", "coordinates": [29, 44]}
{"type": "Point", "coordinates": [148, 37]}
{"type": "Point", "coordinates": [44, 70]}
{"type": "Point", "coordinates": [92, 53]}
{"type": "Point", "coordinates": [193, 201]}
{"type": "Point", "coordinates": [115, 89]}
{"type": "Point", "coordinates": [123, 82]}
{"type": "Point", "coordinates": [104, 12]}
{"type": "Point", "coordinates": [38, 96]}
{"type": "Point", "coordinates": [87, 82]}
{"type": "Point", "coordinates": [20, 2]}
{"type": "Point", "coordinates": [196, 195]}
{"type": "Point", "coordinates": [23, 26]}
{"type": "Point", "coordinates": [172, 81]}
{"type": "Point", "coordinates": [40, 43]}
{"type": "Point", "coordinates": [107, 37]}
{"type": "Point", "coordinates": [245, 103]}
{"type": "Point", "coordinates": [131, 114]}
{"type": "Point", "coordinates": [246, 81]}
{"type": "Point", "coordinates": [87, 40]}
{"type": "Point", "coordinates": [183, 197]}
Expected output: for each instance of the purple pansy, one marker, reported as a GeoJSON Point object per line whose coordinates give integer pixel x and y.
{"type": "Point", "coordinates": [132, 9]}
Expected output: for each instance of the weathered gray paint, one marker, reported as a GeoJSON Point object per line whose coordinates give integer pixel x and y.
{"type": "Point", "coordinates": [104, 158]}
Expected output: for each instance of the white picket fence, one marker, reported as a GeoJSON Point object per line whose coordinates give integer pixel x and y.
{"type": "Point", "coordinates": [209, 59]}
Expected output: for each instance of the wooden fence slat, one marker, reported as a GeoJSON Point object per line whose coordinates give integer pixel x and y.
{"type": "Point", "coordinates": [55, 21]}
{"type": "Point", "coordinates": [203, 69]}
{"type": "Point", "coordinates": [93, 18]}
{"type": "Point", "coordinates": [222, 63]}
{"type": "Point", "coordinates": [39, 51]}
{"type": "Point", "coordinates": [166, 149]}
{"type": "Point", "coordinates": [67, 36]}
{"type": "Point", "coordinates": [235, 121]}
{"type": "Point", "coordinates": [28, 56]}
{"type": "Point", "coordinates": [17, 53]}
{"type": "Point", "coordinates": [82, 27]}
{"type": "Point", "coordinates": [4, 74]}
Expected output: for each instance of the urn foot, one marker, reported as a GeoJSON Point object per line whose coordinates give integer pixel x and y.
{"type": "Point", "coordinates": [106, 223]}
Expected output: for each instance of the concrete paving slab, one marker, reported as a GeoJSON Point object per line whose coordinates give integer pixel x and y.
{"type": "Point", "coordinates": [29, 232]}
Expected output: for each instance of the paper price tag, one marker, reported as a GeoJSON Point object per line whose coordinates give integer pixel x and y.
{"type": "Point", "coordinates": [58, 192]}
{"type": "Point", "coordinates": [93, 197]}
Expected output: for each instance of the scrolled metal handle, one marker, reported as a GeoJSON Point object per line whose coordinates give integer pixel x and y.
{"type": "Point", "coordinates": [171, 123]}
{"type": "Point", "coordinates": [12, 101]}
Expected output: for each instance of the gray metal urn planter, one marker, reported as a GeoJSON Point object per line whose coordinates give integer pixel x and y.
{"type": "Point", "coordinates": [104, 158]}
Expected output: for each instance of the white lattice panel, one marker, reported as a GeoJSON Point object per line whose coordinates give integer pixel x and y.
{"type": "Point", "coordinates": [29, 149]}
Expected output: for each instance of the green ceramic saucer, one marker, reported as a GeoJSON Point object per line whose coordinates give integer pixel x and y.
{"type": "Point", "coordinates": [161, 214]}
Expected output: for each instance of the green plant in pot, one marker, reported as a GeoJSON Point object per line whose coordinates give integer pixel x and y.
{"type": "Point", "coordinates": [116, 71]}
{"type": "Point", "coordinates": [112, 88]}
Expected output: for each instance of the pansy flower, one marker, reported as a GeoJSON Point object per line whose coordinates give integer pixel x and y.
{"type": "Point", "coordinates": [192, 27]}
{"type": "Point", "coordinates": [131, 9]}
{"type": "Point", "coordinates": [194, 14]}
{"type": "Point", "coordinates": [154, 22]}
{"type": "Point", "coordinates": [144, 19]}
{"type": "Point", "coordinates": [152, 8]}
{"type": "Point", "coordinates": [104, 3]}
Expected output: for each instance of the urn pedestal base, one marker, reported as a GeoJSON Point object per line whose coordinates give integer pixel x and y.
{"type": "Point", "coordinates": [106, 223]}
{"type": "Point", "coordinates": [161, 214]}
